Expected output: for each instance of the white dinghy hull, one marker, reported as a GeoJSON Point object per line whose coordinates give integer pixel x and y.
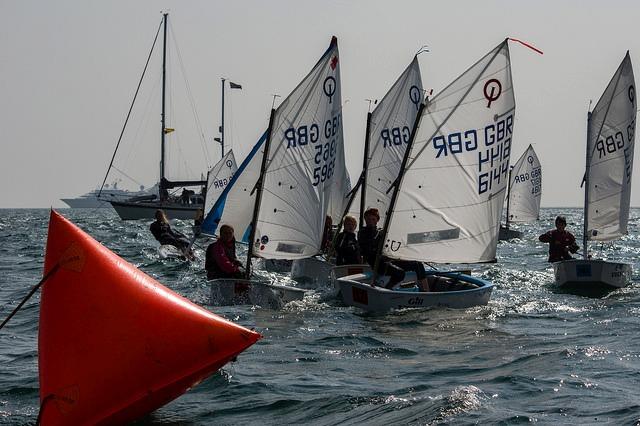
{"type": "Point", "coordinates": [230, 291]}
{"type": "Point", "coordinates": [508, 234]}
{"type": "Point", "coordinates": [280, 266]}
{"type": "Point", "coordinates": [465, 292]}
{"type": "Point", "coordinates": [592, 274]}
{"type": "Point", "coordinates": [312, 269]}
{"type": "Point", "coordinates": [342, 271]}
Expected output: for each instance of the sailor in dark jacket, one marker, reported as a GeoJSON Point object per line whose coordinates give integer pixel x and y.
{"type": "Point", "coordinates": [347, 249]}
{"type": "Point", "coordinates": [162, 232]}
{"type": "Point", "coordinates": [561, 242]}
{"type": "Point", "coordinates": [369, 238]}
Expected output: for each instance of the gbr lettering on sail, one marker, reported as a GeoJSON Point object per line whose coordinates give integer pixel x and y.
{"type": "Point", "coordinates": [493, 145]}
{"type": "Point", "coordinates": [322, 140]}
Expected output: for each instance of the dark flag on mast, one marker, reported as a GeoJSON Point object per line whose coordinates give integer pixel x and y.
{"type": "Point", "coordinates": [235, 85]}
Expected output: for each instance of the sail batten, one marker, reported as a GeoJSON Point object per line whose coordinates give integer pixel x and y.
{"type": "Point", "coordinates": [451, 193]}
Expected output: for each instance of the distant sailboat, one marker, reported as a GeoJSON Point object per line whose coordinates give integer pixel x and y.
{"type": "Point", "coordinates": [609, 166]}
{"type": "Point", "coordinates": [144, 207]}
{"type": "Point", "coordinates": [218, 178]}
{"type": "Point", "coordinates": [301, 158]}
{"type": "Point", "coordinates": [523, 194]}
{"type": "Point", "coordinates": [447, 200]}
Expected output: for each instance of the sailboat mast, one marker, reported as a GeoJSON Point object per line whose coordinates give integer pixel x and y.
{"type": "Point", "coordinates": [222, 120]}
{"type": "Point", "coordinates": [586, 191]}
{"type": "Point", "coordinates": [382, 237]}
{"type": "Point", "coordinates": [508, 197]}
{"type": "Point", "coordinates": [164, 83]}
{"type": "Point", "coordinates": [362, 181]}
{"type": "Point", "coordinates": [365, 167]}
{"type": "Point", "coordinates": [258, 188]}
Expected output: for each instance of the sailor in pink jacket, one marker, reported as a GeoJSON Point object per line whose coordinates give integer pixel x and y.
{"type": "Point", "coordinates": [221, 260]}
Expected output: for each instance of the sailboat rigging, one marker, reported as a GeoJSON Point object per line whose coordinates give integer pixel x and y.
{"type": "Point", "coordinates": [145, 207]}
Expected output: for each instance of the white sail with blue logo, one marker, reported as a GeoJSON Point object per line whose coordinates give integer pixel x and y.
{"type": "Point", "coordinates": [526, 188]}
{"type": "Point", "coordinates": [218, 178]}
{"type": "Point", "coordinates": [452, 191]}
{"type": "Point", "coordinates": [305, 163]}
{"type": "Point", "coordinates": [610, 149]}
{"type": "Point", "coordinates": [235, 205]}
{"type": "Point", "coordinates": [390, 128]}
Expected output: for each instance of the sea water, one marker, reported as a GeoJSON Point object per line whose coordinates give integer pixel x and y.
{"type": "Point", "coordinates": [533, 354]}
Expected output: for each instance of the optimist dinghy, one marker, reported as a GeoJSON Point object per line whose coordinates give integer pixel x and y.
{"type": "Point", "coordinates": [523, 193]}
{"type": "Point", "coordinates": [113, 343]}
{"type": "Point", "coordinates": [607, 181]}
{"type": "Point", "coordinates": [447, 200]}
{"type": "Point", "coordinates": [278, 200]}
{"type": "Point", "coordinates": [253, 292]}
{"type": "Point", "coordinates": [450, 290]}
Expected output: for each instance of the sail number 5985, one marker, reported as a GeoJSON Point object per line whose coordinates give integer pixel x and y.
{"type": "Point", "coordinates": [325, 153]}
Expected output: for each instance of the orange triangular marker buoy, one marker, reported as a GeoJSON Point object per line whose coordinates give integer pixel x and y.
{"type": "Point", "coordinates": [114, 344]}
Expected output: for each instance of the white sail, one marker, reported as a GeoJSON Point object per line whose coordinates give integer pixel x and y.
{"type": "Point", "coordinates": [235, 205]}
{"type": "Point", "coordinates": [389, 132]}
{"type": "Point", "coordinates": [526, 188]}
{"type": "Point", "coordinates": [218, 178]}
{"type": "Point", "coordinates": [340, 192]}
{"type": "Point", "coordinates": [304, 160]}
{"type": "Point", "coordinates": [610, 157]}
{"type": "Point", "coordinates": [451, 195]}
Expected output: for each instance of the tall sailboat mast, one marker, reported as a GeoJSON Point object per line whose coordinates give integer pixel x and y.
{"type": "Point", "coordinates": [365, 166]}
{"type": "Point", "coordinates": [164, 84]}
{"type": "Point", "coordinates": [258, 188]}
{"type": "Point", "coordinates": [382, 237]}
{"type": "Point", "coordinates": [586, 190]}
{"type": "Point", "coordinates": [222, 121]}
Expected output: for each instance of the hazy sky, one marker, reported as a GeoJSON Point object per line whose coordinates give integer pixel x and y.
{"type": "Point", "coordinates": [70, 68]}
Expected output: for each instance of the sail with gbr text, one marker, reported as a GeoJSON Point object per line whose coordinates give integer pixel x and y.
{"type": "Point", "coordinates": [218, 178]}
{"type": "Point", "coordinates": [305, 163]}
{"type": "Point", "coordinates": [235, 205]}
{"type": "Point", "coordinates": [389, 132]}
{"type": "Point", "coordinates": [452, 191]}
{"type": "Point", "coordinates": [526, 188]}
{"type": "Point", "coordinates": [610, 149]}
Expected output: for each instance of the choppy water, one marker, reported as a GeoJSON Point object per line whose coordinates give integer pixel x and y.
{"type": "Point", "coordinates": [532, 355]}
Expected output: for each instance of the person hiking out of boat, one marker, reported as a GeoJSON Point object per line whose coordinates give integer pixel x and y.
{"type": "Point", "coordinates": [561, 242]}
{"type": "Point", "coordinates": [347, 248]}
{"type": "Point", "coordinates": [221, 260]}
{"type": "Point", "coordinates": [368, 239]}
{"type": "Point", "coordinates": [161, 230]}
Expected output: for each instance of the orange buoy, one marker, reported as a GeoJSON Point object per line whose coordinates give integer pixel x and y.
{"type": "Point", "coordinates": [114, 344]}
